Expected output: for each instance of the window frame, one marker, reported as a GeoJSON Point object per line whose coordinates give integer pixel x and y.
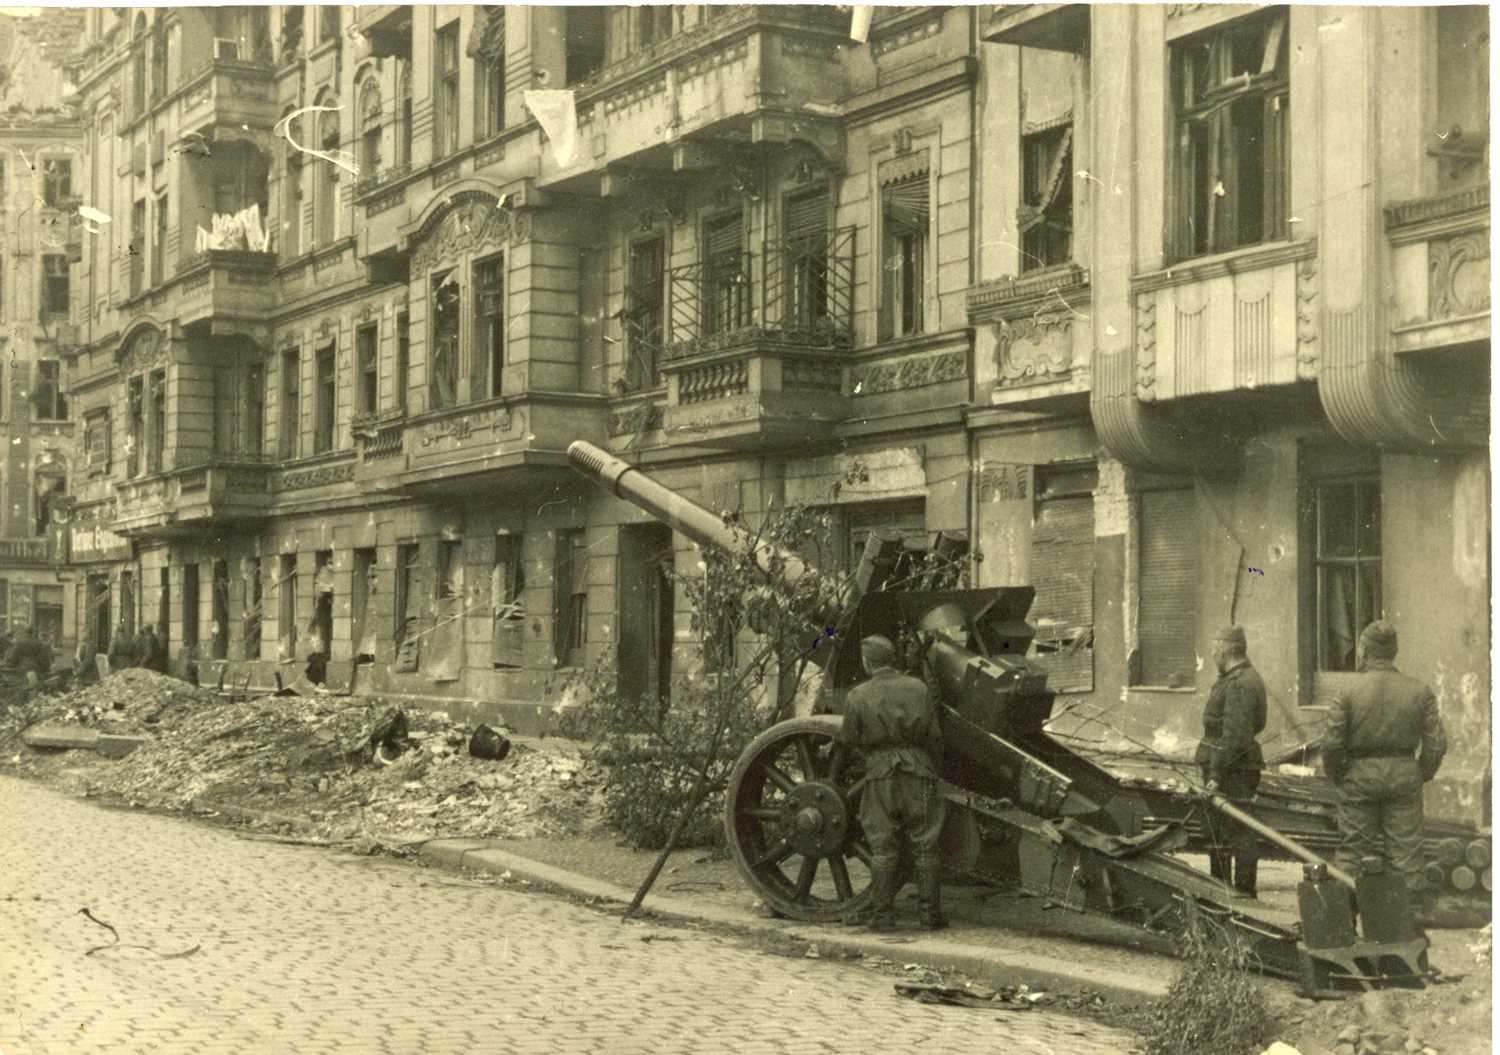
{"type": "Point", "coordinates": [372, 130]}
{"type": "Point", "coordinates": [489, 345]}
{"type": "Point", "coordinates": [326, 211]}
{"type": "Point", "coordinates": [1046, 197]}
{"type": "Point", "coordinates": [289, 425]}
{"type": "Point", "coordinates": [162, 214]}
{"type": "Point", "coordinates": [57, 285]}
{"type": "Point", "coordinates": [444, 343]}
{"type": "Point", "coordinates": [58, 408]}
{"type": "Point", "coordinates": [325, 397]}
{"type": "Point", "coordinates": [645, 301]}
{"type": "Point", "coordinates": [367, 368]}
{"type": "Point", "coordinates": [57, 182]}
{"type": "Point", "coordinates": [1362, 480]}
{"type": "Point", "coordinates": [914, 256]}
{"type": "Point", "coordinates": [446, 96]}
{"type": "Point", "coordinates": [403, 359]}
{"type": "Point", "coordinates": [97, 441]}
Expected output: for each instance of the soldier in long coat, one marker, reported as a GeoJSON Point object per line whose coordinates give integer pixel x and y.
{"type": "Point", "coordinates": [1229, 756]}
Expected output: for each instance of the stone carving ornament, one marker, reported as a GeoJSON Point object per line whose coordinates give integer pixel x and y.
{"type": "Point", "coordinates": [1034, 349]}
{"type": "Point", "coordinates": [1459, 273]}
{"type": "Point", "coordinates": [472, 224]}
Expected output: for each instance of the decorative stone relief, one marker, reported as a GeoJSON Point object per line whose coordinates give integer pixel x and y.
{"type": "Point", "coordinates": [1033, 350]}
{"type": "Point", "coordinates": [713, 381]}
{"type": "Point", "coordinates": [146, 350]}
{"type": "Point", "coordinates": [905, 374]}
{"type": "Point", "coordinates": [472, 224]}
{"type": "Point", "coordinates": [811, 373]}
{"type": "Point", "coordinates": [1307, 320]}
{"type": "Point", "coordinates": [1459, 275]}
{"type": "Point", "coordinates": [498, 420]}
{"type": "Point", "coordinates": [1145, 347]}
{"type": "Point", "coordinates": [642, 417]}
{"type": "Point", "coordinates": [317, 477]}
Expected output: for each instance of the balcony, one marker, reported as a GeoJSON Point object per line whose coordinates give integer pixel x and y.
{"type": "Point", "coordinates": [1440, 262]}
{"type": "Point", "coordinates": [1052, 27]}
{"type": "Point", "coordinates": [744, 372]}
{"type": "Point", "coordinates": [388, 29]}
{"type": "Point", "coordinates": [239, 93]}
{"type": "Point", "coordinates": [222, 491]}
{"type": "Point", "coordinates": [226, 285]}
{"type": "Point", "coordinates": [752, 74]}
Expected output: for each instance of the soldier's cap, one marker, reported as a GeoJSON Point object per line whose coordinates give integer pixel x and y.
{"type": "Point", "coordinates": [1232, 635]}
{"type": "Point", "coordinates": [877, 650]}
{"type": "Point", "coordinates": [1379, 640]}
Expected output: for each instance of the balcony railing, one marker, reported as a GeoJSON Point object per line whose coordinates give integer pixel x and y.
{"type": "Point", "coordinates": [806, 295]}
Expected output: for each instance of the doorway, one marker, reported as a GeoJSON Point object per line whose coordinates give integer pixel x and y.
{"type": "Point", "coordinates": [645, 611]}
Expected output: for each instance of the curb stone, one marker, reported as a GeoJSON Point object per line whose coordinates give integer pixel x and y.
{"type": "Point", "coordinates": [994, 966]}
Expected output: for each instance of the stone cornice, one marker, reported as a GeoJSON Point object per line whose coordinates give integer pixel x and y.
{"type": "Point", "coordinates": [1013, 297]}
{"type": "Point", "coordinates": [1423, 218]}
{"type": "Point", "coordinates": [1200, 269]}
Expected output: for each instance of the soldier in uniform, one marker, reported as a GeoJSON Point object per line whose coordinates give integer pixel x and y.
{"type": "Point", "coordinates": [153, 656]}
{"type": "Point", "coordinates": [1383, 742]}
{"type": "Point", "coordinates": [29, 654]}
{"type": "Point", "coordinates": [123, 649]}
{"type": "Point", "coordinates": [891, 718]}
{"type": "Point", "coordinates": [1229, 755]}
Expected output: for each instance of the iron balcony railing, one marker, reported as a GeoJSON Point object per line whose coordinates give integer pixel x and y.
{"type": "Point", "coordinates": [798, 290]}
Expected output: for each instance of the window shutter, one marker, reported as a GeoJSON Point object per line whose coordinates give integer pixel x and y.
{"type": "Point", "coordinates": [724, 235]}
{"type": "Point", "coordinates": [1167, 577]}
{"type": "Point", "coordinates": [1062, 572]}
{"type": "Point", "coordinates": [806, 214]}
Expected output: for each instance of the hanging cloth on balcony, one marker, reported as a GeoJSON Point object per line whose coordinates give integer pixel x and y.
{"type": "Point", "coordinates": [487, 39]}
{"type": "Point", "coordinates": [554, 111]}
{"type": "Point", "coordinates": [1028, 216]}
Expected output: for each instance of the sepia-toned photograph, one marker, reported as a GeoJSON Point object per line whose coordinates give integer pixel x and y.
{"type": "Point", "coordinates": [787, 529]}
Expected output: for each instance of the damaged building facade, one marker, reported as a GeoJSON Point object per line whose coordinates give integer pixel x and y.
{"type": "Point", "coordinates": [41, 158]}
{"type": "Point", "coordinates": [359, 292]}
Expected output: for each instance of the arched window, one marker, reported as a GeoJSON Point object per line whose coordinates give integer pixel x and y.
{"type": "Point", "coordinates": [158, 59]}
{"type": "Point", "coordinates": [138, 65]}
{"type": "Point", "coordinates": [328, 184]}
{"type": "Point", "coordinates": [370, 159]}
{"type": "Point", "coordinates": [403, 116]}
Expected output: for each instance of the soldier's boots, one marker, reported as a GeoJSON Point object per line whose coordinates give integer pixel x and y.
{"type": "Point", "coordinates": [882, 910]}
{"type": "Point", "coordinates": [930, 895]}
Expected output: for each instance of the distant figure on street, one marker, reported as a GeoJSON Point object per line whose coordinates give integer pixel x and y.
{"type": "Point", "coordinates": [1229, 755]}
{"type": "Point", "coordinates": [29, 654]}
{"type": "Point", "coordinates": [1384, 741]}
{"type": "Point", "coordinates": [892, 719]}
{"type": "Point", "coordinates": [317, 660]}
{"type": "Point", "coordinates": [153, 651]}
{"type": "Point", "coordinates": [122, 649]}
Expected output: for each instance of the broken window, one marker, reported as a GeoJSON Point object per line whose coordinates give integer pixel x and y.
{"type": "Point", "coordinates": [570, 598]}
{"type": "Point", "coordinates": [407, 607]}
{"type": "Point", "coordinates": [254, 599]}
{"type": "Point", "coordinates": [191, 610]}
{"type": "Point", "coordinates": [488, 361]}
{"type": "Point", "coordinates": [1231, 97]}
{"type": "Point", "coordinates": [219, 630]}
{"type": "Point", "coordinates": [56, 294]}
{"type": "Point", "coordinates": [135, 425]}
{"type": "Point", "coordinates": [726, 275]}
{"type": "Point", "coordinates": [367, 350]}
{"type": "Point", "coordinates": [320, 627]}
{"type": "Point", "coordinates": [584, 43]}
{"type": "Point", "coordinates": [137, 247]}
{"type": "Point", "coordinates": [507, 590]}
{"type": "Point", "coordinates": [47, 400]}
{"type": "Point", "coordinates": [291, 33]}
{"type": "Point", "coordinates": [644, 316]}
{"type": "Point", "coordinates": [1347, 565]}
{"type": "Point", "coordinates": [47, 613]}
{"type": "Point", "coordinates": [57, 182]}
{"type": "Point", "coordinates": [487, 48]}
{"type": "Point", "coordinates": [362, 590]}
{"type": "Point", "coordinates": [327, 399]}
{"type": "Point", "coordinates": [50, 486]}
{"type": "Point", "coordinates": [403, 358]}
{"type": "Point", "coordinates": [1045, 218]}
{"type": "Point", "coordinates": [159, 243]}
{"type": "Point", "coordinates": [445, 320]}
{"type": "Point", "coordinates": [291, 403]}
{"type": "Point", "coordinates": [286, 595]}
{"type": "Point", "coordinates": [370, 129]}
{"type": "Point", "coordinates": [447, 639]}
{"type": "Point", "coordinates": [446, 91]}
{"type": "Point", "coordinates": [1167, 577]}
{"type": "Point", "coordinates": [156, 432]}
{"type": "Point", "coordinates": [905, 209]}
{"type": "Point", "coordinates": [96, 442]}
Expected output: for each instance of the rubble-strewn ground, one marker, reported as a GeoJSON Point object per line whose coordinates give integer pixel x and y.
{"type": "Point", "coordinates": [308, 756]}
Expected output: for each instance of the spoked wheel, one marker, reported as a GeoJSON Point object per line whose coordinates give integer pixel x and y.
{"type": "Point", "coordinates": [791, 820]}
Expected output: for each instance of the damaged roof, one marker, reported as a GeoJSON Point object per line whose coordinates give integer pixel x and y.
{"type": "Point", "coordinates": [33, 54]}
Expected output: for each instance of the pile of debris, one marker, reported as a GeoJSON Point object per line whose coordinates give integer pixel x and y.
{"type": "Point", "coordinates": [354, 769]}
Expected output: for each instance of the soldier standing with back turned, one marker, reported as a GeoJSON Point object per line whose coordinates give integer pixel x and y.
{"type": "Point", "coordinates": [1230, 756]}
{"type": "Point", "coordinates": [892, 719]}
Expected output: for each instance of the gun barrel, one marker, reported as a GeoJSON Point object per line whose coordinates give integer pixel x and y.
{"type": "Point", "coordinates": [684, 515]}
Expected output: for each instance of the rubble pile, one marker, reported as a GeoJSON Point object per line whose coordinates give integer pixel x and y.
{"type": "Point", "coordinates": [130, 700]}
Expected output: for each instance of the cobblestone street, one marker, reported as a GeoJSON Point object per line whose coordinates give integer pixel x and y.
{"type": "Point", "coordinates": [304, 950]}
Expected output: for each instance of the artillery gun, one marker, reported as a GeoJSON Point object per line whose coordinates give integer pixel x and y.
{"type": "Point", "coordinates": [1023, 809]}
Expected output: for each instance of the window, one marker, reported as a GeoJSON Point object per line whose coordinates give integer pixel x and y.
{"type": "Point", "coordinates": [726, 278]}
{"type": "Point", "coordinates": [408, 563]}
{"type": "Point", "coordinates": [1166, 589]}
{"type": "Point", "coordinates": [159, 58]}
{"type": "Point", "coordinates": [1348, 565]}
{"type": "Point", "coordinates": [644, 315]}
{"type": "Point", "coordinates": [488, 363]}
{"type": "Point", "coordinates": [403, 116]}
{"type": "Point", "coordinates": [1045, 218]}
{"type": "Point", "coordinates": [254, 599]}
{"type": "Point", "coordinates": [135, 438]}
{"type": "Point", "coordinates": [570, 598]}
{"type": "Point", "coordinates": [583, 43]}
{"type": "Point", "coordinates": [156, 432]}
{"type": "Point", "coordinates": [286, 597]}
{"type": "Point", "coordinates": [137, 247]}
{"type": "Point", "coordinates": [96, 442]}
{"type": "Point", "coordinates": [255, 410]}
{"type": "Point", "coordinates": [447, 90]}
{"type": "Point", "coordinates": [219, 632]}
{"type": "Point", "coordinates": [47, 613]}
{"type": "Point", "coordinates": [226, 408]}
{"type": "Point", "coordinates": [1229, 86]}
{"type": "Point", "coordinates": [329, 18]}
{"type": "Point", "coordinates": [445, 320]}
{"type": "Point", "coordinates": [56, 297]}
{"type": "Point", "coordinates": [805, 218]}
{"type": "Point", "coordinates": [654, 23]}
{"type": "Point", "coordinates": [328, 190]}
{"type": "Point", "coordinates": [370, 131]}
{"type": "Point", "coordinates": [507, 589]}
{"type": "Point", "coordinates": [293, 199]}
{"type": "Point", "coordinates": [138, 69]}
{"type": "Point", "coordinates": [327, 396]}
{"type": "Point", "coordinates": [159, 246]}
{"type": "Point", "coordinates": [1461, 139]}
{"type": "Point", "coordinates": [51, 486]}
{"type": "Point", "coordinates": [904, 212]}
{"type": "Point", "coordinates": [1062, 572]}
{"type": "Point", "coordinates": [57, 181]}
{"type": "Point", "coordinates": [291, 403]}
{"type": "Point", "coordinates": [367, 350]}
{"type": "Point", "coordinates": [291, 32]}
{"type": "Point", "coordinates": [362, 587]}
{"type": "Point", "coordinates": [488, 49]}
{"type": "Point", "coordinates": [403, 358]}
{"type": "Point", "coordinates": [47, 400]}
{"type": "Point", "coordinates": [4, 604]}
